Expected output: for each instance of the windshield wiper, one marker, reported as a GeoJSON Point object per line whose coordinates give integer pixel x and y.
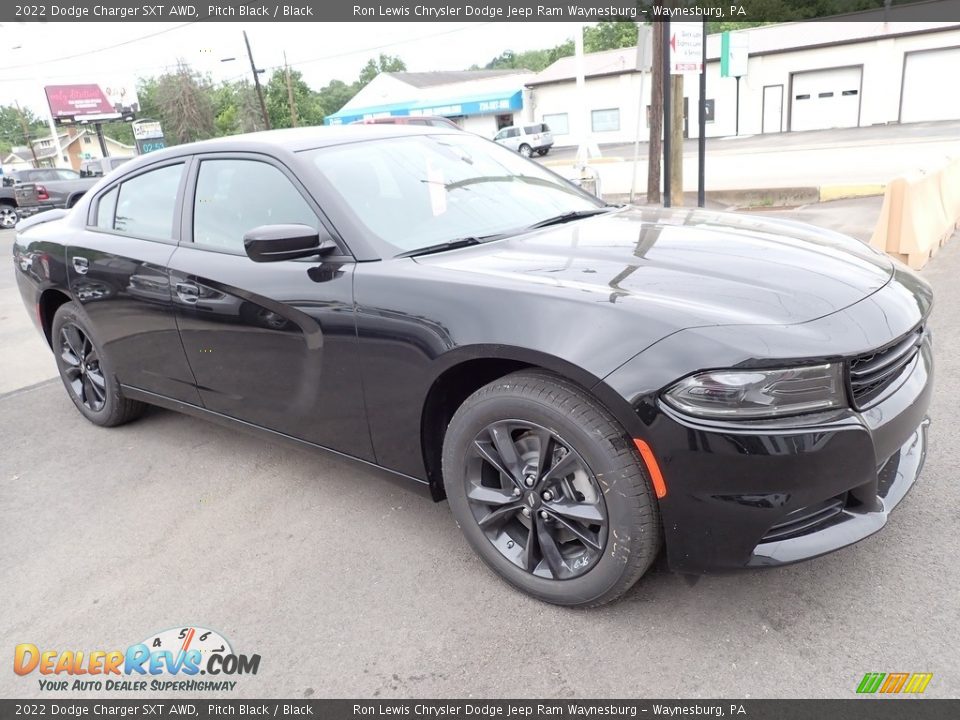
{"type": "Point", "coordinates": [451, 245]}
{"type": "Point", "coordinates": [573, 215]}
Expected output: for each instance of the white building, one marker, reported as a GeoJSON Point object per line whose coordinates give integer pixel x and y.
{"type": "Point", "coordinates": [480, 101]}
{"type": "Point", "coordinates": [800, 76]}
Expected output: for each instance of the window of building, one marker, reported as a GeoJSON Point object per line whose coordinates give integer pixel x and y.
{"type": "Point", "coordinates": [235, 196]}
{"type": "Point", "coordinates": [607, 120]}
{"type": "Point", "coordinates": [146, 205]}
{"type": "Point", "coordinates": [559, 123]}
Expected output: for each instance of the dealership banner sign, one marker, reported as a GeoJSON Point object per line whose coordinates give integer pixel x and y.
{"type": "Point", "coordinates": [463, 10]}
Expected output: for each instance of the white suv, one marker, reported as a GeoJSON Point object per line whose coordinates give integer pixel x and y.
{"type": "Point", "coordinates": [526, 139]}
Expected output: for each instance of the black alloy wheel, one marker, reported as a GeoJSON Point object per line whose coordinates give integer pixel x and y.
{"type": "Point", "coordinates": [536, 500]}
{"type": "Point", "coordinates": [86, 370]}
{"type": "Point", "coordinates": [82, 367]}
{"type": "Point", "coordinates": [549, 490]}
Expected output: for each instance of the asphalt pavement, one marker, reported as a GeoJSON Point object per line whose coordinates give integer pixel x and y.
{"type": "Point", "coordinates": [347, 585]}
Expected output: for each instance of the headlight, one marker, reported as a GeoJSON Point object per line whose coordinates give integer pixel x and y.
{"type": "Point", "coordinates": [736, 394]}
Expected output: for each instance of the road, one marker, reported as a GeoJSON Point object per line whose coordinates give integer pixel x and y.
{"type": "Point", "coordinates": [849, 156]}
{"type": "Point", "coordinates": [347, 585]}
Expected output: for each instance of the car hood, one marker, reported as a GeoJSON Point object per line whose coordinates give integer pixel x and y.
{"type": "Point", "coordinates": [685, 268]}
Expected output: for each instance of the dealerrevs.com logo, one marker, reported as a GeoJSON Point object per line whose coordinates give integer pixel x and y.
{"type": "Point", "coordinates": [171, 660]}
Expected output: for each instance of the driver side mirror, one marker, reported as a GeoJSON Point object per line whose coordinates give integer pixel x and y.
{"type": "Point", "coordinates": [271, 243]}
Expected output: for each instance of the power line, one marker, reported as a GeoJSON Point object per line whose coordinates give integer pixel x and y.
{"type": "Point", "coordinates": [367, 49]}
{"type": "Point", "coordinates": [97, 50]}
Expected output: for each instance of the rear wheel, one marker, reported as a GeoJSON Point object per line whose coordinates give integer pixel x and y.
{"type": "Point", "coordinates": [86, 371]}
{"type": "Point", "coordinates": [8, 216]}
{"type": "Point", "coordinates": [543, 151]}
{"type": "Point", "coordinates": [525, 150]}
{"type": "Point", "coordinates": [549, 491]}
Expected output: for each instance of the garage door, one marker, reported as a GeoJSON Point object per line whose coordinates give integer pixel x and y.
{"type": "Point", "coordinates": [924, 96]}
{"type": "Point", "coordinates": [825, 99]}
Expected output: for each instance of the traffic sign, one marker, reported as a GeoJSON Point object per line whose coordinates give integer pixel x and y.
{"type": "Point", "coordinates": [686, 47]}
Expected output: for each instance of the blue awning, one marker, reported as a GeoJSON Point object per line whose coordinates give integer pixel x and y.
{"type": "Point", "coordinates": [503, 101]}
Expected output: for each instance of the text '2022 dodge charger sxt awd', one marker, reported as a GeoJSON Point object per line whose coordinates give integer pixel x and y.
{"type": "Point", "coordinates": [584, 383]}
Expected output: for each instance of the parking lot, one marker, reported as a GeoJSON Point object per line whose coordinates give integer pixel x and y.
{"type": "Point", "coordinates": [347, 585]}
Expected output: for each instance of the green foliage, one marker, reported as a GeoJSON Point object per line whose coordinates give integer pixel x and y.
{"type": "Point", "coordinates": [11, 129]}
{"type": "Point", "coordinates": [608, 35]}
{"type": "Point", "coordinates": [309, 109]}
{"type": "Point", "coordinates": [385, 63]}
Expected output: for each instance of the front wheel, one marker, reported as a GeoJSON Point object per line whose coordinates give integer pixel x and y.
{"type": "Point", "coordinates": [549, 491]}
{"type": "Point", "coordinates": [86, 371]}
{"type": "Point", "coordinates": [525, 150]}
{"type": "Point", "coordinates": [8, 216]}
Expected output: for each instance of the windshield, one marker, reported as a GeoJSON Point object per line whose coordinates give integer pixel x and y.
{"type": "Point", "coordinates": [418, 191]}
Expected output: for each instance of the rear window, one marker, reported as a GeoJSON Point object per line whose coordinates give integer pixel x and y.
{"type": "Point", "coordinates": [536, 128]}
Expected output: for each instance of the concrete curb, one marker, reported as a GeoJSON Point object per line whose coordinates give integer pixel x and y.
{"type": "Point", "coordinates": [777, 197]}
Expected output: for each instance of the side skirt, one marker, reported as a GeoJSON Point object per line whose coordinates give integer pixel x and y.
{"type": "Point", "coordinates": [408, 482]}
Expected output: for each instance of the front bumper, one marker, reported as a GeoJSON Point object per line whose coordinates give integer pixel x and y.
{"type": "Point", "coordinates": [772, 494]}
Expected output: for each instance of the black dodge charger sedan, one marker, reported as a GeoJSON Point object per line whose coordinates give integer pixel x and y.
{"type": "Point", "coordinates": [584, 383]}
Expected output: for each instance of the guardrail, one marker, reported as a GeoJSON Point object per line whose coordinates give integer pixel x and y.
{"type": "Point", "coordinates": [920, 213]}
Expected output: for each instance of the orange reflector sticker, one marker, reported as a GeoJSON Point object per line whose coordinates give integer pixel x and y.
{"type": "Point", "coordinates": [659, 486]}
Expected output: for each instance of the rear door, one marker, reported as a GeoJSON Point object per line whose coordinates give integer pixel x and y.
{"type": "Point", "coordinates": [117, 270]}
{"type": "Point", "coordinates": [272, 344]}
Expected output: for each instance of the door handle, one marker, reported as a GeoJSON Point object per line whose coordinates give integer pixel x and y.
{"type": "Point", "coordinates": [81, 264]}
{"type": "Point", "coordinates": [188, 292]}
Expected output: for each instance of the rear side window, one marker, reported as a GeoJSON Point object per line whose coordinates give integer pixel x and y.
{"type": "Point", "coordinates": [106, 209]}
{"type": "Point", "coordinates": [147, 203]}
{"type": "Point", "coordinates": [235, 196]}
{"type": "Point", "coordinates": [534, 129]}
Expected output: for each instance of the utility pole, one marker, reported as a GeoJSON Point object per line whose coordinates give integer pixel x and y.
{"type": "Point", "coordinates": [667, 112]}
{"type": "Point", "coordinates": [290, 100]}
{"type": "Point", "coordinates": [256, 82]}
{"type": "Point", "coordinates": [676, 143]}
{"type": "Point", "coordinates": [702, 126]}
{"type": "Point", "coordinates": [26, 134]}
{"type": "Point", "coordinates": [656, 118]}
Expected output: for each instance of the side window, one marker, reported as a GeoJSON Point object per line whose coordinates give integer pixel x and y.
{"type": "Point", "coordinates": [146, 204]}
{"type": "Point", "coordinates": [106, 208]}
{"type": "Point", "coordinates": [513, 132]}
{"type": "Point", "coordinates": [235, 196]}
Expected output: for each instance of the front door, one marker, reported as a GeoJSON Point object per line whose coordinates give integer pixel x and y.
{"type": "Point", "coordinates": [772, 109]}
{"type": "Point", "coordinates": [116, 269]}
{"type": "Point", "coordinates": [272, 344]}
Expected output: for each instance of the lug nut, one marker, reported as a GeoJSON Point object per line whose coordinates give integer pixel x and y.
{"type": "Point", "coordinates": [526, 512]}
{"type": "Point", "coordinates": [516, 491]}
{"type": "Point", "coordinates": [544, 514]}
{"type": "Point", "coordinates": [547, 495]}
{"type": "Point", "coordinates": [529, 480]}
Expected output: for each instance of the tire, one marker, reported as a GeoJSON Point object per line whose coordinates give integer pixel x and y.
{"type": "Point", "coordinates": [528, 534]}
{"type": "Point", "coordinates": [86, 371]}
{"type": "Point", "coordinates": [8, 216]}
{"type": "Point", "coordinates": [543, 151]}
{"type": "Point", "coordinates": [525, 150]}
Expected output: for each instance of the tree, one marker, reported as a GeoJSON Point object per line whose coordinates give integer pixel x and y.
{"type": "Point", "coordinates": [183, 102]}
{"type": "Point", "coordinates": [334, 95]}
{"type": "Point", "coordinates": [309, 110]}
{"type": "Point", "coordinates": [375, 66]}
{"type": "Point", "coordinates": [11, 128]}
{"type": "Point", "coordinates": [610, 35]}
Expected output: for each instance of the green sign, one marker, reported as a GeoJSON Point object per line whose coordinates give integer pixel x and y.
{"type": "Point", "coordinates": [734, 54]}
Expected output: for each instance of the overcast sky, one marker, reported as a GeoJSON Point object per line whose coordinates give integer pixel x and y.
{"type": "Point", "coordinates": [33, 54]}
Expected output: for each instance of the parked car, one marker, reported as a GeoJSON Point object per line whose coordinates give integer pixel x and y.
{"type": "Point", "coordinates": [101, 166]}
{"type": "Point", "coordinates": [427, 120]}
{"type": "Point", "coordinates": [584, 383]}
{"type": "Point", "coordinates": [526, 139]}
{"type": "Point", "coordinates": [49, 188]}
{"type": "Point", "coordinates": [9, 214]}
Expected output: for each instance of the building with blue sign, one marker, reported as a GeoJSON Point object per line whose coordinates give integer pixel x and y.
{"type": "Point", "coordinates": [479, 101]}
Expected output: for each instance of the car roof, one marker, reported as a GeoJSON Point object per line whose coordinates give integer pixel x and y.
{"type": "Point", "coordinates": [307, 138]}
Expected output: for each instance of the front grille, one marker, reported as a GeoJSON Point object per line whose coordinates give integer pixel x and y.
{"type": "Point", "coordinates": [871, 373]}
{"type": "Point", "coordinates": [805, 520]}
